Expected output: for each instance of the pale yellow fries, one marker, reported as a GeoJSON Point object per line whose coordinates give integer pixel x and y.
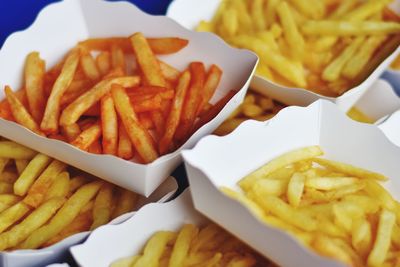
{"type": "Point", "coordinates": [43, 201]}
{"type": "Point", "coordinates": [260, 107]}
{"type": "Point", "coordinates": [193, 246]}
{"type": "Point", "coordinates": [325, 46]}
{"type": "Point", "coordinates": [336, 209]}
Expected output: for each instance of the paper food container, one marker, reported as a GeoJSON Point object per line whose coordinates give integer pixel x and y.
{"type": "Point", "coordinates": [61, 25]}
{"type": "Point", "coordinates": [59, 251]}
{"type": "Point", "coordinates": [182, 12]}
{"type": "Point", "coordinates": [391, 127]}
{"type": "Point", "coordinates": [112, 242]}
{"type": "Point", "coordinates": [223, 161]}
{"type": "Point", "coordinates": [379, 101]}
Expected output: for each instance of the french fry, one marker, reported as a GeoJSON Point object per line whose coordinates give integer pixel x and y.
{"type": "Point", "coordinates": [13, 214]}
{"type": "Point", "coordinates": [182, 245]}
{"type": "Point", "coordinates": [140, 138]}
{"type": "Point", "coordinates": [63, 217]}
{"type": "Point", "coordinates": [154, 249]}
{"type": "Point", "coordinates": [89, 66]}
{"type": "Point", "coordinates": [126, 202]}
{"type": "Point", "coordinates": [72, 113]}
{"type": "Point", "coordinates": [37, 191]}
{"type": "Point", "coordinates": [109, 125]}
{"type": "Point", "coordinates": [59, 188]}
{"type": "Point", "coordinates": [169, 72]}
{"type": "Point", "coordinates": [210, 86]}
{"type": "Point", "coordinates": [117, 58]}
{"type": "Point", "coordinates": [347, 28]}
{"type": "Point", "coordinates": [13, 150]}
{"type": "Point", "coordinates": [51, 115]}
{"type": "Point", "coordinates": [7, 200]}
{"type": "Point", "coordinates": [103, 62]}
{"type": "Point", "coordinates": [175, 113]}
{"type": "Point", "coordinates": [147, 61]}
{"type": "Point", "coordinates": [150, 91]}
{"type": "Point", "coordinates": [20, 113]}
{"type": "Point", "coordinates": [33, 221]}
{"type": "Point", "coordinates": [71, 131]}
{"type": "Point", "coordinates": [366, 10]}
{"type": "Point", "coordinates": [291, 31]}
{"type": "Point", "coordinates": [30, 173]}
{"type": "Point", "coordinates": [349, 169]}
{"type": "Point", "coordinates": [34, 79]}
{"type": "Point", "coordinates": [157, 45]}
{"type": "Point", "coordinates": [279, 162]}
{"type": "Point", "coordinates": [87, 137]}
{"type": "Point", "coordinates": [192, 100]}
{"type": "Point", "coordinates": [125, 149]}
{"type": "Point", "coordinates": [150, 104]}
{"type": "Point", "coordinates": [383, 238]}
{"type": "Point", "coordinates": [102, 206]}
{"type": "Point", "coordinates": [76, 183]}
{"type": "Point", "coordinates": [5, 188]}
{"type": "Point", "coordinates": [295, 189]}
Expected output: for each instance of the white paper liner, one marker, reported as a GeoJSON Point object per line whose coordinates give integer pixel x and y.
{"type": "Point", "coordinates": [60, 26]}
{"type": "Point", "coordinates": [223, 161]}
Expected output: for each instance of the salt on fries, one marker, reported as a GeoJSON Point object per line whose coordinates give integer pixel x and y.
{"type": "Point", "coordinates": [131, 107]}
{"type": "Point", "coordinates": [193, 246]}
{"type": "Point", "coordinates": [44, 201]}
{"type": "Point", "coordinates": [325, 46]}
{"type": "Point", "coordinates": [336, 209]}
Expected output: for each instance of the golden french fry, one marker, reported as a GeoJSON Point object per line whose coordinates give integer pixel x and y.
{"type": "Point", "coordinates": [63, 217]}
{"type": "Point", "coordinates": [37, 191]}
{"type": "Point", "coordinates": [349, 28]}
{"type": "Point", "coordinates": [103, 62]}
{"type": "Point", "coordinates": [51, 115]}
{"type": "Point", "coordinates": [295, 189]}
{"type": "Point", "coordinates": [7, 200]}
{"type": "Point", "coordinates": [279, 162]}
{"type": "Point", "coordinates": [361, 236]}
{"type": "Point", "coordinates": [33, 221]}
{"type": "Point", "coordinates": [71, 131]}
{"type": "Point", "coordinates": [89, 66]}
{"type": "Point", "coordinates": [330, 183]}
{"type": "Point", "coordinates": [366, 10]}
{"type": "Point", "coordinates": [13, 150]}
{"type": "Point", "coordinates": [102, 206]}
{"type": "Point", "coordinates": [125, 262]}
{"type": "Point", "coordinates": [126, 202]}
{"type": "Point", "coordinates": [125, 149]}
{"type": "Point", "coordinates": [72, 113]}
{"type": "Point", "coordinates": [335, 68]}
{"type": "Point", "coordinates": [30, 173]}
{"type": "Point", "coordinates": [117, 58]}
{"type": "Point", "coordinates": [13, 214]}
{"type": "Point", "coordinates": [59, 188]}
{"type": "Point", "coordinates": [154, 249]}
{"type": "Point", "coordinates": [20, 113]}
{"type": "Point", "coordinates": [182, 245]}
{"type": "Point", "coordinates": [291, 32]}
{"type": "Point", "coordinates": [382, 241]}
{"type": "Point", "coordinates": [349, 169]}
{"type": "Point", "coordinates": [34, 79]}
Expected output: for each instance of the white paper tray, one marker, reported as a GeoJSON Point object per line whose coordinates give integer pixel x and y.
{"type": "Point", "coordinates": [190, 12]}
{"type": "Point", "coordinates": [59, 251]}
{"type": "Point", "coordinates": [60, 26]}
{"type": "Point", "coordinates": [223, 161]}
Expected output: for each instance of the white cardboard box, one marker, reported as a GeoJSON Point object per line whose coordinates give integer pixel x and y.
{"type": "Point", "coordinates": [112, 242]}
{"type": "Point", "coordinates": [59, 251]}
{"type": "Point", "coordinates": [61, 25]}
{"type": "Point", "coordinates": [223, 161]}
{"type": "Point", "coordinates": [182, 12]}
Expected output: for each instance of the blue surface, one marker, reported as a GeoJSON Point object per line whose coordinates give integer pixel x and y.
{"type": "Point", "coordinates": [17, 15]}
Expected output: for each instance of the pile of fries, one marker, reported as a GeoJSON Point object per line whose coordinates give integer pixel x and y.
{"type": "Point", "coordinates": [43, 201]}
{"type": "Point", "coordinates": [208, 246]}
{"type": "Point", "coordinates": [325, 46]}
{"type": "Point", "coordinates": [261, 108]}
{"type": "Point", "coordinates": [125, 102]}
{"type": "Point", "coordinates": [336, 209]}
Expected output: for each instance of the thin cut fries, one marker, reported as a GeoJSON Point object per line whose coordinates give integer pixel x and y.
{"type": "Point", "coordinates": [60, 103]}
{"type": "Point", "coordinates": [309, 44]}
{"type": "Point", "coordinates": [336, 209]}
{"type": "Point", "coordinates": [50, 201]}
